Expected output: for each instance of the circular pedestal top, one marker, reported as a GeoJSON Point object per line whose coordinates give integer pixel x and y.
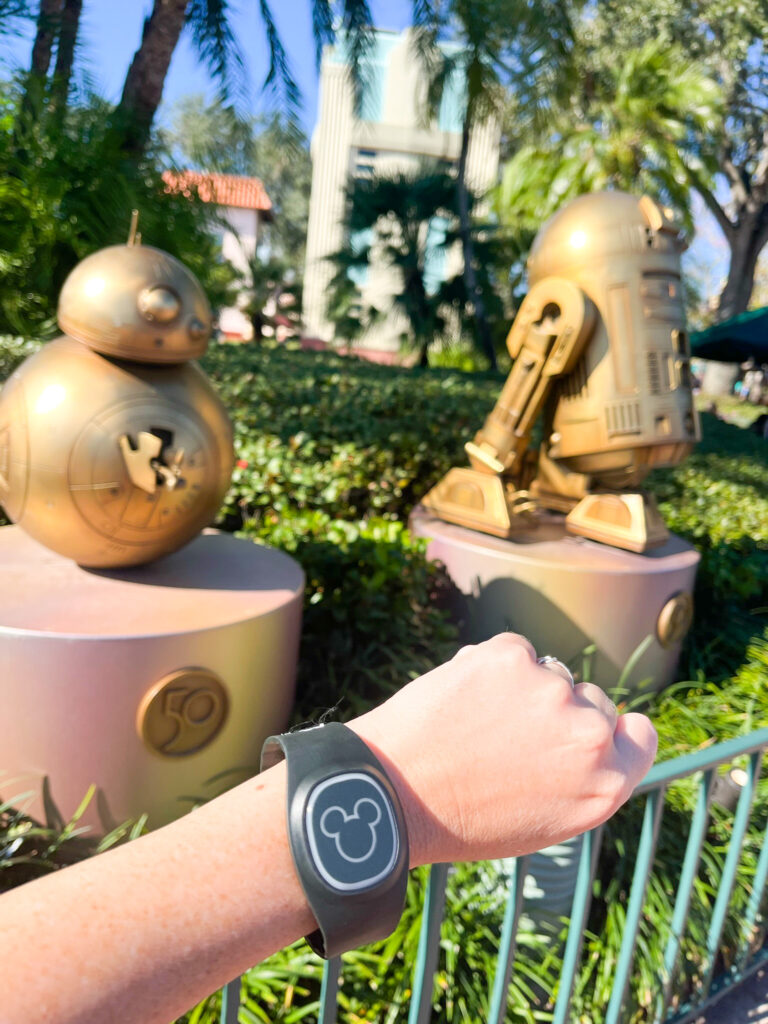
{"type": "Point", "coordinates": [550, 542]}
{"type": "Point", "coordinates": [216, 580]}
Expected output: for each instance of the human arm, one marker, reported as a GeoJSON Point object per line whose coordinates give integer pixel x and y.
{"type": "Point", "coordinates": [490, 754]}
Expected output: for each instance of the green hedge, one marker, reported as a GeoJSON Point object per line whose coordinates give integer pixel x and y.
{"type": "Point", "coordinates": [718, 500]}
{"type": "Point", "coordinates": [319, 435]}
{"type": "Point", "coordinates": [332, 454]}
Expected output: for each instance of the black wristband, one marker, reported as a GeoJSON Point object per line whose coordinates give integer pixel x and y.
{"type": "Point", "coordinates": [347, 835]}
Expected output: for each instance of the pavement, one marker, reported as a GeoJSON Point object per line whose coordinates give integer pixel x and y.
{"type": "Point", "coordinates": [746, 1004]}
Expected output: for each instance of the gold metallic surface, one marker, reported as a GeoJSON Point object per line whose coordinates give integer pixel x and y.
{"type": "Point", "coordinates": [114, 449]}
{"type": "Point", "coordinates": [136, 302]}
{"type": "Point", "coordinates": [107, 462]}
{"type": "Point", "coordinates": [675, 619]}
{"type": "Point", "coordinates": [183, 712]}
{"type": "Point", "coordinates": [594, 606]}
{"type": "Point", "coordinates": [630, 521]}
{"type": "Point", "coordinates": [600, 349]}
{"type": "Point", "coordinates": [80, 651]}
{"type": "Point", "coordinates": [159, 305]}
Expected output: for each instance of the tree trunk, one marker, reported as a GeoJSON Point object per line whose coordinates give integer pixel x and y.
{"type": "Point", "coordinates": [257, 322]}
{"type": "Point", "coordinates": [48, 21]}
{"type": "Point", "coordinates": [465, 228]}
{"type": "Point", "coordinates": [746, 243]}
{"type": "Point", "coordinates": [423, 355]}
{"type": "Point", "coordinates": [143, 88]}
{"type": "Point", "coordinates": [65, 55]}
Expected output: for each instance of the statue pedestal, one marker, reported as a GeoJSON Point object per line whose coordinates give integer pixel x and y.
{"type": "Point", "coordinates": [565, 593]}
{"type": "Point", "coordinates": [146, 682]}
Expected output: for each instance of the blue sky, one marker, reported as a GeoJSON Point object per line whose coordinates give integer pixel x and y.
{"type": "Point", "coordinates": [111, 32]}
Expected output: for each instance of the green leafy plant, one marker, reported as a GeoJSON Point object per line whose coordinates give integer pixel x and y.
{"type": "Point", "coordinates": [30, 848]}
{"type": "Point", "coordinates": [65, 191]}
{"type": "Point", "coordinates": [330, 460]}
{"type": "Point", "coordinates": [718, 500]}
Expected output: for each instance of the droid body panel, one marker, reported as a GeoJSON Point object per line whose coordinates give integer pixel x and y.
{"type": "Point", "coordinates": [114, 449]}
{"type": "Point", "coordinates": [627, 406]}
{"type": "Point", "coordinates": [136, 302]}
{"type": "Point", "coordinates": [108, 462]}
{"type": "Point", "coordinates": [600, 349]}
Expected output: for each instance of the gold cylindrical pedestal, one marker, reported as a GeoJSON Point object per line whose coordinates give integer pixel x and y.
{"type": "Point", "coordinates": [565, 593]}
{"type": "Point", "coordinates": [147, 682]}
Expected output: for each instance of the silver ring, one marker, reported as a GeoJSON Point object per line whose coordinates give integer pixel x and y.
{"type": "Point", "coordinates": [555, 665]}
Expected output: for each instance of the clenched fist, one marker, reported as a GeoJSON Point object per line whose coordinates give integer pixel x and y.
{"type": "Point", "coordinates": [495, 756]}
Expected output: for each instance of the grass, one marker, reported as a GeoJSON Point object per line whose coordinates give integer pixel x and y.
{"type": "Point", "coordinates": [332, 458]}
{"type": "Point", "coordinates": [731, 408]}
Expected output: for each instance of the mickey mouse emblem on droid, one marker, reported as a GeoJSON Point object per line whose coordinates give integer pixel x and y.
{"type": "Point", "coordinates": [351, 831]}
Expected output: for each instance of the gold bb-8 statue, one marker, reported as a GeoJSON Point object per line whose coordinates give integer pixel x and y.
{"type": "Point", "coordinates": [114, 448]}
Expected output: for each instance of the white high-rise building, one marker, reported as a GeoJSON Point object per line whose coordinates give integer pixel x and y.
{"type": "Point", "coordinates": [389, 136]}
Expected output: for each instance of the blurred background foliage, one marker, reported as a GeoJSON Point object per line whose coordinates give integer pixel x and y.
{"type": "Point", "coordinates": [331, 457]}
{"type": "Point", "coordinates": [330, 460]}
{"type": "Point", "coordinates": [65, 191]}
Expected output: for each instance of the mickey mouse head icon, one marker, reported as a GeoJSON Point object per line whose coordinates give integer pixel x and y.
{"type": "Point", "coordinates": [351, 830]}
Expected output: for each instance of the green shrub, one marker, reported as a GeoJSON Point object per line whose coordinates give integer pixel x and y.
{"type": "Point", "coordinates": [324, 432]}
{"type": "Point", "coordinates": [14, 351]}
{"type": "Point", "coordinates": [330, 460]}
{"type": "Point", "coordinates": [67, 190]}
{"type": "Point", "coordinates": [718, 500]}
{"type": "Point", "coordinates": [377, 980]}
{"type": "Point", "coordinates": [332, 455]}
{"type": "Point", "coordinates": [375, 614]}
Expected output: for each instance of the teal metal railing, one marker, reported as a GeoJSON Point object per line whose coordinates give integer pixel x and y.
{"type": "Point", "coordinates": [652, 790]}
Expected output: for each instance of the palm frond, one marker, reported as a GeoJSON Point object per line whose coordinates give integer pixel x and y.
{"type": "Point", "coordinates": [215, 42]}
{"type": "Point", "coordinates": [357, 26]}
{"type": "Point", "coordinates": [322, 27]}
{"type": "Point", "coordinates": [279, 80]}
{"type": "Point", "coordinates": [426, 23]}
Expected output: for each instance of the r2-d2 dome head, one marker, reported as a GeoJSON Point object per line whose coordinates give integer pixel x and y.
{"type": "Point", "coordinates": [628, 404]}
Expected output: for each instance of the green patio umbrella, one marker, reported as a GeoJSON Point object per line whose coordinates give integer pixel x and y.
{"type": "Point", "coordinates": [734, 340]}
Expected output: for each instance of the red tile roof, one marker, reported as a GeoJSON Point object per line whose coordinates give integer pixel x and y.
{"type": "Point", "coordinates": [221, 189]}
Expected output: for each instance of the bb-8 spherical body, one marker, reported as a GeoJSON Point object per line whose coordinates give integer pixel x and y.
{"type": "Point", "coordinates": [114, 448]}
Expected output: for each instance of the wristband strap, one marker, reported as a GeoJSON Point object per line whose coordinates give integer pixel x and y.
{"type": "Point", "coordinates": [347, 835]}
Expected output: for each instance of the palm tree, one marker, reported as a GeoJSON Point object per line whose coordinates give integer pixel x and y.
{"type": "Point", "coordinates": [623, 124]}
{"type": "Point", "coordinates": [496, 45]}
{"type": "Point", "coordinates": [733, 52]}
{"type": "Point", "coordinates": [46, 30]}
{"type": "Point", "coordinates": [273, 295]}
{"type": "Point", "coordinates": [143, 85]}
{"type": "Point", "coordinates": [57, 24]}
{"type": "Point", "coordinates": [47, 27]}
{"type": "Point", "coordinates": [216, 45]}
{"type": "Point", "coordinates": [65, 54]}
{"type": "Point", "coordinates": [392, 214]}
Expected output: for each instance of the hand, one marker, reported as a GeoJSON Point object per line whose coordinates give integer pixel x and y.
{"type": "Point", "coordinates": [495, 756]}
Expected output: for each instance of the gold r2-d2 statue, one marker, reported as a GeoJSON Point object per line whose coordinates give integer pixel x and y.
{"type": "Point", "coordinates": [600, 349]}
